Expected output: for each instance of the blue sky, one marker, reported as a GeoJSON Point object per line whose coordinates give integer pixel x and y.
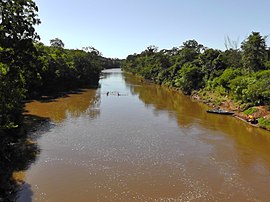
{"type": "Point", "coordinates": [118, 28]}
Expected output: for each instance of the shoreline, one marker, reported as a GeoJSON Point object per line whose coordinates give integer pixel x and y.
{"type": "Point", "coordinates": [225, 104]}
{"type": "Point", "coordinates": [251, 124]}
{"type": "Point", "coordinates": [229, 105]}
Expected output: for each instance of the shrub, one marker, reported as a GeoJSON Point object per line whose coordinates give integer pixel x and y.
{"type": "Point", "coordinates": [250, 110]}
{"type": "Point", "coordinates": [264, 123]}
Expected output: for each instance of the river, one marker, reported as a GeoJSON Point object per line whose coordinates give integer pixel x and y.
{"type": "Point", "coordinates": [147, 143]}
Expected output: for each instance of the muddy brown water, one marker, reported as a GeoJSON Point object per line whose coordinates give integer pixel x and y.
{"type": "Point", "coordinates": [147, 144]}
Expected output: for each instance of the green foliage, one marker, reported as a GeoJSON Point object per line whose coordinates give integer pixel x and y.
{"type": "Point", "coordinates": [17, 51]}
{"type": "Point", "coordinates": [57, 43]}
{"type": "Point", "coordinates": [225, 78]}
{"type": "Point", "coordinates": [11, 94]}
{"type": "Point", "coordinates": [109, 63]}
{"type": "Point", "coordinates": [239, 87]}
{"type": "Point", "coordinates": [28, 68]}
{"type": "Point", "coordinates": [253, 88]}
{"type": "Point", "coordinates": [18, 18]}
{"type": "Point", "coordinates": [267, 64]}
{"type": "Point", "coordinates": [209, 62]}
{"type": "Point", "coordinates": [232, 58]}
{"type": "Point", "coordinates": [250, 111]}
{"type": "Point", "coordinates": [254, 52]}
{"type": "Point", "coordinates": [189, 51]}
{"type": "Point", "coordinates": [264, 123]}
{"type": "Point", "coordinates": [242, 75]}
{"type": "Point", "coordinates": [189, 78]}
{"type": "Point", "coordinates": [64, 68]}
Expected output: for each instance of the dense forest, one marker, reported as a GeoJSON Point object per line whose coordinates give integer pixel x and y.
{"type": "Point", "coordinates": [28, 68]}
{"type": "Point", "coordinates": [239, 74]}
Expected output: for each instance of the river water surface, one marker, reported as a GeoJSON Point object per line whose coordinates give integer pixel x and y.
{"type": "Point", "coordinates": [147, 144]}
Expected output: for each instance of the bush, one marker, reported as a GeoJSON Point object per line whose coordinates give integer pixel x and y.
{"type": "Point", "coordinates": [264, 123]}
{"type": "Point", "coordinates": [250, 110]}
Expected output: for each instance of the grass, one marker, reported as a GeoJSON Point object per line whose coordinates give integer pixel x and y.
{"type": "Point", "coordinates": [264, 123]}
{"type": "Point", "coordinates": [250, 110]}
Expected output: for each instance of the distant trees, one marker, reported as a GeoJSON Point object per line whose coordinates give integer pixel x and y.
{"type": "Point", "coordinates": [50, 69]}
{"type": "Point", "coordinates": [28, 68]}
{"type": "Point", "coordinates": [57, 43]}
{"type": "Point", "coordinates": [189, 51]}
{"type": "Point", "coordinates": [62, 68]}
{"type": "Point", "coordinates": [254, 52]}
{"type": "Point", "coordinates": [109, 63]}
{"type": "Point", "coordinates": [242, 74]}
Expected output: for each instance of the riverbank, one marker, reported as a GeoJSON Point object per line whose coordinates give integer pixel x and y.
{"type": "Point", "coordinates": [17, 152]}
{"type": "Point", "coordinates": [150, 136]}
{"type": "Point", "coordinates": [241, 111]}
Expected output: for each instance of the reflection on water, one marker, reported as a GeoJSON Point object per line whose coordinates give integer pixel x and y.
{"type": "Point", "coordinates": [83, 101]}
{"type": "Point", "coordinates": [16, 155]}
{"type": "Point", "coordinates": [153, 144]}
{"type": "Point", "coordinates": [233, 141]}
{"type": "Point", "coordinates": [188, 113]}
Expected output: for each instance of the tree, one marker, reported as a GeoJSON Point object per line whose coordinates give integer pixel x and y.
{"type": "Point", "coordinates": [92, 50]}
{"type": "Point", "coordinates": [254, 52]}
{"type": "Point", "coordinates": [18, 18]}
{"type": "Point", "coordinates": [209, 62]}
{"type": "Point", "coordinates": [150, 50]}
{"type": "Point", "coordinates": [225, 78]}
{"type": "Point", "coordinates": [17, 50]}
{"type": "Point", "coordinates": [189, 78]}
{"type": "Point", "coordinates": [232, 58]}
{"type": "Point", "coordinates": [57, 43]}
{"type": "Point", "coordinates": [189, 51]}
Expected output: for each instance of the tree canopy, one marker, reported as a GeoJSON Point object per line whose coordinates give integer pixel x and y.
{"type": "Point", "coordinates": [241, 74]}
{"type": "Point", "coordinates": [17, 36]}
{"type": "Point", "coordinates": [254, 52]}
{"type": "Point", "coordinates": [28, 68]}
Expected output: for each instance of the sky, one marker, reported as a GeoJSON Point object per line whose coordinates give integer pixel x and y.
{"type": "Point", "coordinates": [118, 28]}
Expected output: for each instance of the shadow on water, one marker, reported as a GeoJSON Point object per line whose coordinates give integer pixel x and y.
{"type": "Point", "coordinates": [18, 152]}
{"type": "Point", "coordinates": [53, 96]}
{"type": "Point", "coordinates": [73, 104]}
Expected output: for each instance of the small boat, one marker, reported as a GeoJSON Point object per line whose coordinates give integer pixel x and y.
{"type": "Point", "coordinates": [252, 119]}
{"type": "Point", "coordinates": [219, 111]}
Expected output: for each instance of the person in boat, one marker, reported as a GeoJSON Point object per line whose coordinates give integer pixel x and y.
{"type": "Point", "coordinates": [254, 120]}
{"type": "Point", "coordinates": [249, 117]}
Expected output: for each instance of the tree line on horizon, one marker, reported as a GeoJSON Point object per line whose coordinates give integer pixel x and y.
{"type": "Point", "coordinates": [243, 74]}
{"type": "Point", "coordinates": [29, 69]}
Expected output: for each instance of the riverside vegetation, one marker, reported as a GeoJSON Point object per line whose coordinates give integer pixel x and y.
{"type": "Point", "coordinates": [238, 78]}
{"type": "Point", "coordinates": [29, 69]}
